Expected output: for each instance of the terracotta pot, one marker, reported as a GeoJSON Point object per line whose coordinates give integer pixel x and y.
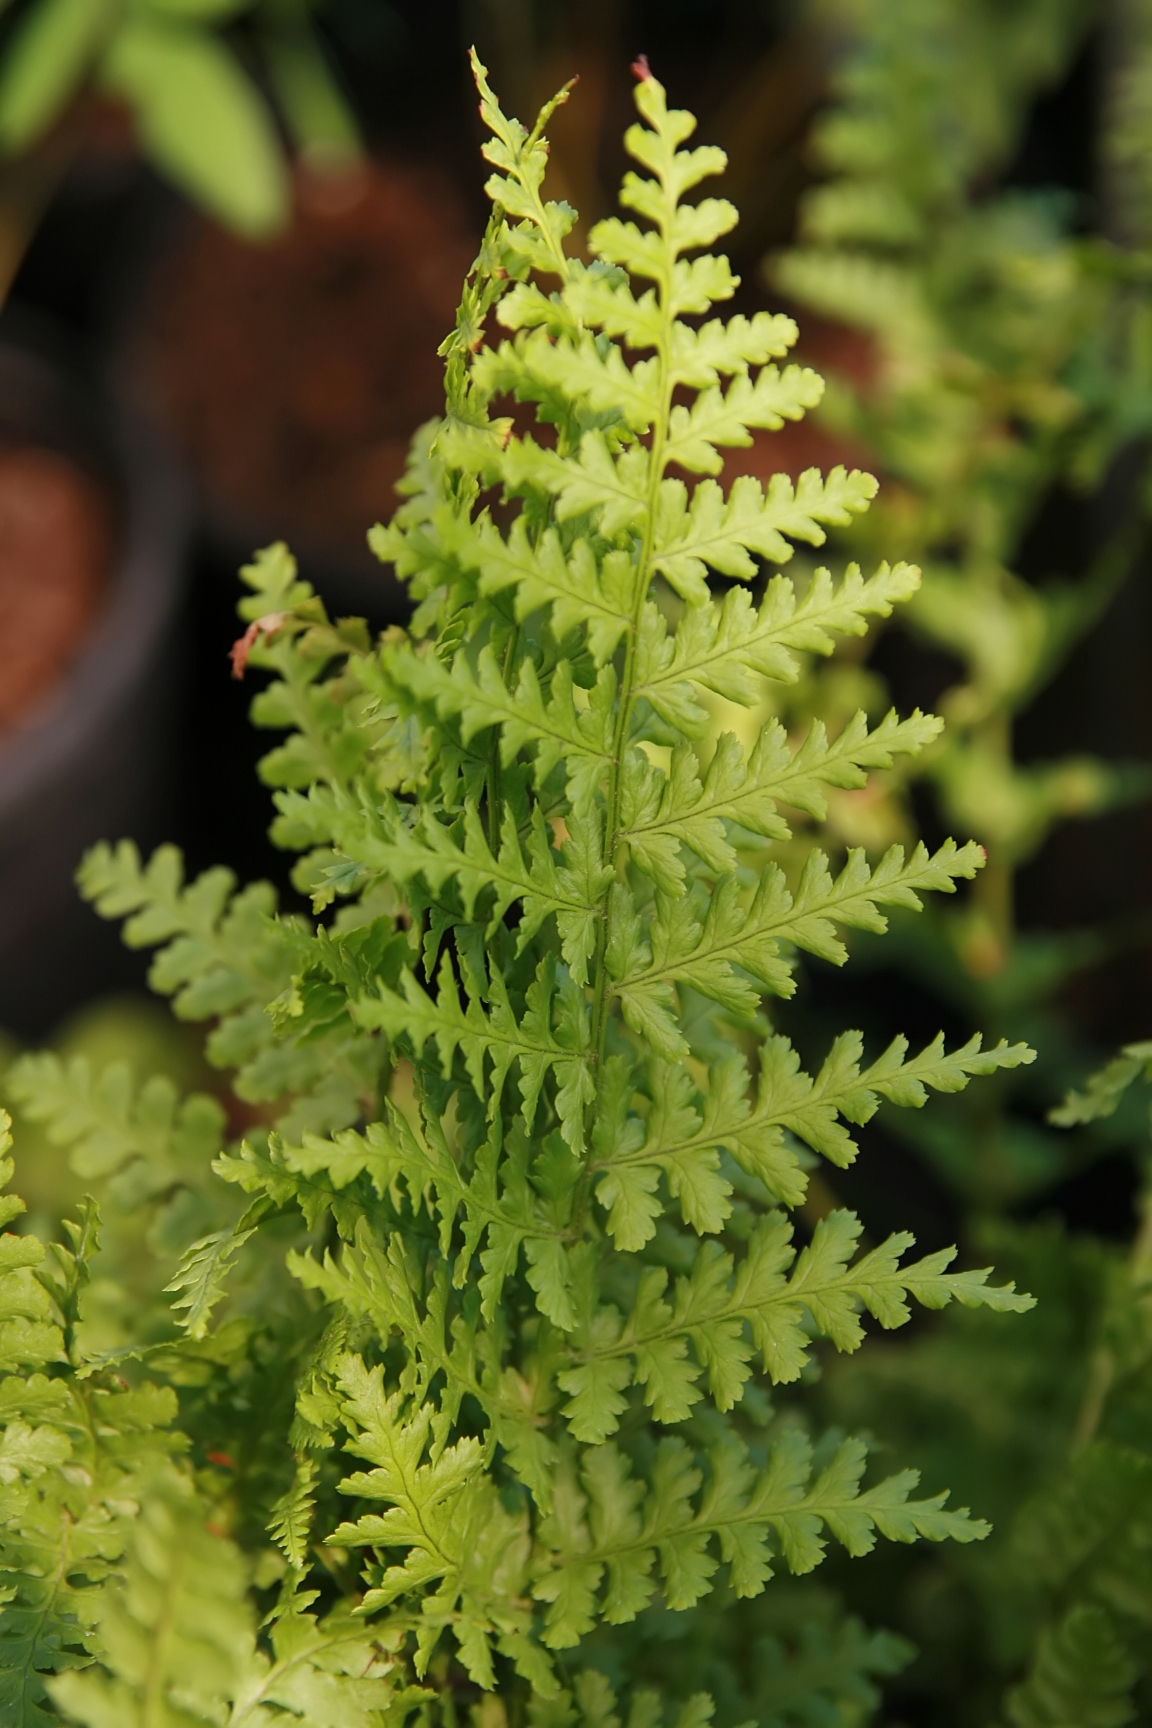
{"type": "Point", "coordinates": [293, 374]}
{"type": "Point", "coordinates": [89, 757]}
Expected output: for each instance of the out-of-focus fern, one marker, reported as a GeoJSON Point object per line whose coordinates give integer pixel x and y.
{"type": "Point", "coordinates": [74, 1450]}
{"type": "Point", "coordinates": [476, 1338]}
{"type": "Point", "coordinates": [1002, 356]}
{"type": "Point", "coordinates": [177, 1637]}
{"type": "Point", "coordinates": [1085, 1542]}
{"type": "Point", "coordinates": [1050, 1623]}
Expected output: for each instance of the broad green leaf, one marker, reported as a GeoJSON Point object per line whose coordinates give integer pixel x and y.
{"type": "Point", "coordinates": [202, 121]}
{"type": "Point", "coordinates": [50, 52]}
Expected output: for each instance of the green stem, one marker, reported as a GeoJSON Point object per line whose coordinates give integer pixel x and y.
{"type": "Point", "coordinates": [1101, 1370]}
{"type": "Point", "coordinates": [612, 839]}
{"type": "Point", "coordinates": [495, 792]}
{"type": "Point", "coordinates": [994, 887]}
{"type": "Point", "coordinates": [1102, 1367]}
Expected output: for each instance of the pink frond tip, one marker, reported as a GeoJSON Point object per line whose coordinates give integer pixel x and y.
{"type": "Point", "coordinates": [243, 646]}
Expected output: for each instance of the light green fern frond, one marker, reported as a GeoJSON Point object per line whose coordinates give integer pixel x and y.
{"type": "Point", "coordinates": [512, 1202]}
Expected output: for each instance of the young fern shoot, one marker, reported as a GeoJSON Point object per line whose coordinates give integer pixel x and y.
{"type": "Point", "coordinates": [538, 1137]}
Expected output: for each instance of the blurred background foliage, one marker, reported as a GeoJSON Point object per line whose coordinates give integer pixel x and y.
{"type": "Point", "coordinates": [954, 197]}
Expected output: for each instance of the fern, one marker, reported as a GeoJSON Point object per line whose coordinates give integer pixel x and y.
{"type": "Point", "coordinates": [1081, 1672]}
{"type": "Point", "coordinates": [1001, 360]}
{"type": "Point", "coordinates": [1085, 1541]}
{"type": "Point", "coordinates": [177, 1632]}
{"type": "Point", "coordinates": [495, 1337]}
{"type": "Point", "coordinates": [74, 1449]}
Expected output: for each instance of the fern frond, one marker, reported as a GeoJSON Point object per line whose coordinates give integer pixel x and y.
{"type": "Point", "coordinates": [499, 1210]}
{"type": "Point", "coordinates": [571, 889]}
{"type": "Point", "coordinates": [292, 1515]}
{"type": "Point", "coordinates": [487, 1045]}
{"type": "Point", "coordinates": [578, 590]}
{"type": "Point", "coordinates": [403, 1299]}
{"type": "Point", "coordinates": [772, 1303]}
{"type": "Point", "coordinates": [593, 1703]}
{"type": "Point", "coordinates": [683, 1135]}
{"type": "Point", "coordinates": [711, 531]}
{"type": "Point", "coordinates": [229, 956]}
{"type": "Point", "coordinates": [201, 1277]}
{"type": "Point", "coordinates": [178, 1635]}
{"type": "Point", "coordinates": [724, 646]}
{"type": "Point", "coordinates": [74, 1447]}
{"type": "Point", "coordinates": [660, 813]}
{"type": "Point", "coordinates": [1093, 1523]}
{"type": "Point", "coordinates": [447, 1515]}
{"type": "Point", "coordinates": [1082, 1673]}
{"type": "Point", "coordinates": [109, 1123]}
{"type": "Point", "coordinates": [525, 715]}
{"type": "Point", "coordinates": [521, 159]}
{"type": "Point", "coordinates": [633, 1537]}
{"type": "Point", "coordinates": [689, 943]}
{"type": "Point", "coordinates": [547, 1040]}
{"type": "Point", "coordinates": [1105, 1088]}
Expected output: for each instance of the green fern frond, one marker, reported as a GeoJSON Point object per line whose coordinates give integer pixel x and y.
{"type": "Point", "coordinates": [659, 813]}
{"type": "Point", "coordinates": [1082, 1673]}
{"type": "Point", "coordinates": [488, 1067]}
{"type": "Point", "coordinates": [201, 1277]}
{"type": "Point", "coordinates": [549, 1039]}
{"type": "Point", "coordinates": [726, 646]}
{"type": "Point", "coordinates": [1105, 1088]}
{"type": "Point", "coordinates": [630, 1537]}
{"type": "Point", "coordinates": [110, 1124]}
{"type": "Point", "coordinates": [772, 1303]}
{"type": "Point", "coordinates": [177, 1636]}
{"type": "Point", "coordinates": [74, 1447]}
{"type": "Point", "coordinates": [702, 945]}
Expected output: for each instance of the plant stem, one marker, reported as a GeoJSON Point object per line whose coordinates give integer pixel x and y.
{"type": "Point", "coordinates": [624, 709]}
{"type": "Point", "coordinates": [1102, 1368]}
{"type": "Point", "coordinates": [994, 887]}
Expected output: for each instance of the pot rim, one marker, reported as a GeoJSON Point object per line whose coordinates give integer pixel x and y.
{"type": "Point", "coordinates": [141, 603]}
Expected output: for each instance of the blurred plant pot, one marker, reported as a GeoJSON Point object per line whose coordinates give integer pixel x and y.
{"type": "Point", "coordinates": [86, 702]}
{"type": "Point", "coordinates": [293, 374]}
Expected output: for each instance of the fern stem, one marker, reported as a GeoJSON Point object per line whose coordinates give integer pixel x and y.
{"type": "Point", "coordinates": [495, 791]}
{"type": "Point", "coordinates": [627, 681]}
{"type": "Point", "coordinates": [1101, 1370]}
{"type": "Point", "coordinates": [994, 888]}
{"type": "Point", "coordinates": [32, 1638]}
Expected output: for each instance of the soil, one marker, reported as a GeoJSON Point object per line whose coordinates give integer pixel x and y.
{"type": "Point", "coordinates": [295, 373]}
{"type": "Point", "coordinates": [57, 534]}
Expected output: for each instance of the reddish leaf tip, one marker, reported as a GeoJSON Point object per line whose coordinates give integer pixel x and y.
{"type": "Point", "coordinates": [243, 646]}
{"type": "Point", "coordinates": [640, 69]}
{"type": "Point", "coordinates": [240, 650]}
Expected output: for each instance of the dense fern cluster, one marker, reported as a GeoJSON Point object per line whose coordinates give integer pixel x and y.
{"type": "Point", "coordinates": [465, 1354]}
